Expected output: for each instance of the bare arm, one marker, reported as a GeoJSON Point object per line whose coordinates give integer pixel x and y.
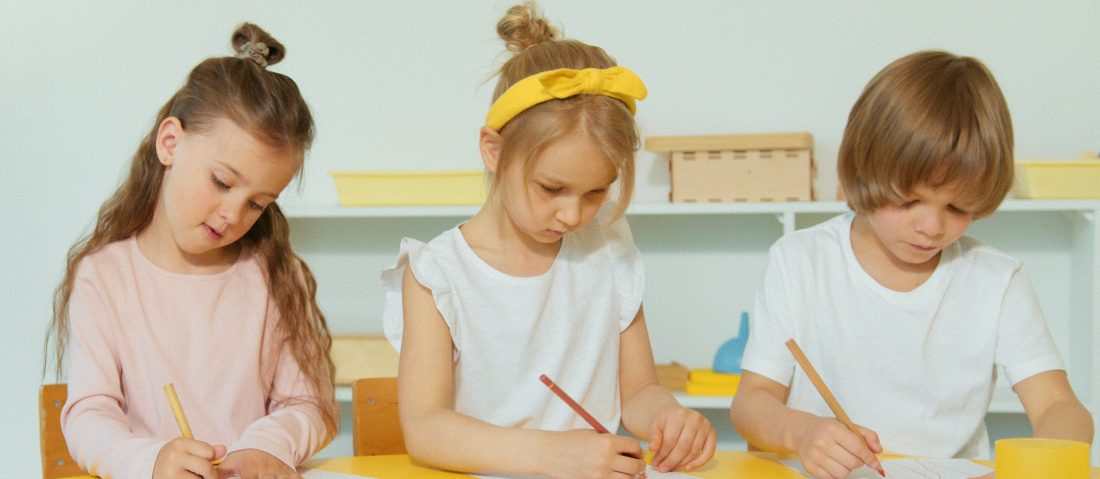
{"type": "Point", "coordinates": [438, 435]}
{"type": "Point", "coordinates": [1053, 409]}
{"type": "Point", "coordinates": [679, 437]}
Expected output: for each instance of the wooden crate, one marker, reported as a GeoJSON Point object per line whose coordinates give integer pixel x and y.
{"type": "Point", "coordinates": [733, 168]}
{"type": "Point", "coordinates": [673, 376]}
{"type": "Point", "coordinates": [362, 356]}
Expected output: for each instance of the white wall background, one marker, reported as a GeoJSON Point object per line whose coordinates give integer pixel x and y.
{"type": "Point", "coordinates": [404, 85]}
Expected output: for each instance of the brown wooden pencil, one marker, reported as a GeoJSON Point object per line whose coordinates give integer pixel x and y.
{"type": "Point", "coordinates": [826, 394]}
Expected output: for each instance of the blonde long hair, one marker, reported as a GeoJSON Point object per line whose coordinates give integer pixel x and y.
{"type": "Point", "coordinates": [537, 47]}
{"type": "Point", "coordinates": [270, 106]}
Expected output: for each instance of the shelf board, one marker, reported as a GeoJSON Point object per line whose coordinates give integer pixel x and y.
{"type": "Point", "coordinates": [316, 210]}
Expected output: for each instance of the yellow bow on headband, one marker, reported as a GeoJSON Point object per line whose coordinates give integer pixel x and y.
{"type": "Point", "coordinates": [616, 82]}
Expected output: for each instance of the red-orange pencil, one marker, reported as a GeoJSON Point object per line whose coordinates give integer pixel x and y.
{"type": "Point", "coordinates": [826, 394]}
{"type": "Point", "coordinates": [573, 404]}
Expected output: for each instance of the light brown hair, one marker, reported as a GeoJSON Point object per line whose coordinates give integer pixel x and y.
{"type": "Point", "coordinates": [930, 118]}
{"type": "Point", "coordinates": [270, 107]}
{"type": "Point", "coordinates": [608, 122]}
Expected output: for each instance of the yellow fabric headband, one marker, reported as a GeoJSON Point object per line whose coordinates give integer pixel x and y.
{"type": "Point", "coordinates": [616, 82]}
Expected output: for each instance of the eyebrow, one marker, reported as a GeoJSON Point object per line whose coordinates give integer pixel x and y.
{"type": "Point", "coordinates": [556, 180]}
{"type": "Point", "coordinates": [242, 178]}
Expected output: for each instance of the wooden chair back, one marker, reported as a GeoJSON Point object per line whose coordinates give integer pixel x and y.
{"type": "Point", "coordinates": [56, 461]}
{"type": "Point", "coordinates": [376, 427]}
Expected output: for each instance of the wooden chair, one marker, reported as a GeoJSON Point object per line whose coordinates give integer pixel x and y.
{"type": "Point", "coordinates": [376, 428]}
{"type": "Point", "coordinates": [56, 461]}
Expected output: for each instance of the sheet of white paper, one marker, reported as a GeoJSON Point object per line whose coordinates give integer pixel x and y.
{"type": "Point", "coordinates": [651, 473]}
{"type": "Point", "coordinates": [914, 469]}
{"type": "Point", "coordinates": [316, 474]}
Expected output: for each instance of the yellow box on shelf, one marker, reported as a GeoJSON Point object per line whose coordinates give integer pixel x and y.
{"type": "Point", "coordinates": [409, 188]}
{"type": "Point", "coordinates": [1065, 179]}
{"type": "Point", "coordinates": [707, 382]}
{"type": "Point", "coordinates": [707, 389]}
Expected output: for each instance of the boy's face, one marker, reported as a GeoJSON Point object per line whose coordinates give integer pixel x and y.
{"type": "Point", "coordinates": [915, 231]}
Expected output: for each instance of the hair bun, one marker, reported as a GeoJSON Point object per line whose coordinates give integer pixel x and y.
{"type": "Point", "coordinates": [523, 27]}
{"type": "Point", "coordinates": [251, 41]}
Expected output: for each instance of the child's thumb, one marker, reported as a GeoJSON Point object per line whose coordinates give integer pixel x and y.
{"type": "Point", "coordinates": [655, 439]}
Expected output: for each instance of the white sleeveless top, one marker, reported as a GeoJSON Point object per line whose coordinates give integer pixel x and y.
{"type": "Point", "coordinates": [508, 330]}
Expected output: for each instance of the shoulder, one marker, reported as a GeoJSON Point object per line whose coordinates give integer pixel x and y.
{"type": "Point", "coordinates": [985, 258]}
{"type": "Point", "coordinates": [824, 238]}
{"type": "Point", "coordinates": [112, 260]}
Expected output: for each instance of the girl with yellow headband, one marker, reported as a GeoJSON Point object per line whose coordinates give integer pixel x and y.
{"type": "Point", "coordinates": [544, 279]}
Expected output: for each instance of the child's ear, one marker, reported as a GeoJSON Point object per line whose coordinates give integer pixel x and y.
{"type": "Point", "coordinates": [489, 143]}
{"type": "Point", "coordinates": [168, 134]}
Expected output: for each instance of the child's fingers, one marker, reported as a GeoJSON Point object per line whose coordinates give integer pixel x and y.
{"type": "Point", "coordinates": [872, 439]}
{"type": "Point", "coordinates": [219, 452]}
{"type": "Point", "coordinates": [656, 439]}
{"type": "Point", "coordinates": [199, 466]}
{"type": "Point", "coordinates": [856, 453]}
{"type": "Point", "coordinates": [670, 442]}
{"type": "Point", "coordinates": [710, 442]}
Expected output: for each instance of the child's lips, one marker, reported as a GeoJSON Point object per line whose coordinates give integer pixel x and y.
{"type": "Point", "coordinates": [923, 248]}
{"type": "Point", "coordinates": [214, 234]}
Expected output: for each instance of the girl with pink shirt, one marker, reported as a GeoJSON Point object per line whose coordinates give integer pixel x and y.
{"type": "Point", "coordinates": [189, 278]}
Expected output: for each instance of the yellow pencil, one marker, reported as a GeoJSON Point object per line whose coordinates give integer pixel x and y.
{"type": "Point", "coordinates": [185, 428]}
{"type": "Point", "coordinates": [174, 401]}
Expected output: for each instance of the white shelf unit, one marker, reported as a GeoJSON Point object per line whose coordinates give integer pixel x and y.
{"type": "Point", "coordinates": [704, 260]}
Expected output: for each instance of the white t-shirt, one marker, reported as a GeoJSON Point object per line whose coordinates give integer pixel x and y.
{"type": "Point", "coordinates": [508, 330]}
{"type": "Point", "coordinates": [917, 367]}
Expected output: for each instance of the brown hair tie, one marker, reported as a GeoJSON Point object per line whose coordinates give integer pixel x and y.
{"type": "Point", "coordinates": [257, 52]}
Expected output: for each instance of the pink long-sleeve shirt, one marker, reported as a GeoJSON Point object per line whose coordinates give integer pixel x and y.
{"type": "Point", "coordinates": [135, 327]}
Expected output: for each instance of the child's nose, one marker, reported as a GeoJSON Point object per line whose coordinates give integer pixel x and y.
{"type": "Point", "coordinates": [232, 211]}
{"type": "Point", "coordinates": [930, 224]}
{"type": "Point", "coordinates": [570, 212]}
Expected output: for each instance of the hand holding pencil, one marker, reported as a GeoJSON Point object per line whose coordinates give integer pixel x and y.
{"type": "Point", "coordinates": [637, 455]}
{"type": "Point", "coordinates": [185, 454]}
{"type": "Point", "coordinates": [838, 411]}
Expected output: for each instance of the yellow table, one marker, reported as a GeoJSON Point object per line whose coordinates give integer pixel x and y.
{"type": "Point", "coordinates": [726, 464]}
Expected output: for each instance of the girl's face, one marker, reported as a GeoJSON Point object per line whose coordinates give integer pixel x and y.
{"type": "Point", "coordinates": [568, 184]}
{"type": "Point", "coordinates": [915, 231]}
{"type": "Point", "coordinates": [216, 183]}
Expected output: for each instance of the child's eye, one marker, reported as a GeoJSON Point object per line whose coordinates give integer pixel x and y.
{"type": "Point", "coordinates": [957, 210]}
{"type": "Point", "coordinates": [551, 189]}
{"type": "Point", "coordinates": [256, 206]}
{"type": "Point", "coordinates": [219, 184]}
{"type": "Point", "coordinates": [597, 192]}
{"type": "Point", "coordinates": [909, 203]}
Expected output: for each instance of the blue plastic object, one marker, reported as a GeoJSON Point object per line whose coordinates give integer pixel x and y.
{"type": "Point", "coordinates": [728, 358]}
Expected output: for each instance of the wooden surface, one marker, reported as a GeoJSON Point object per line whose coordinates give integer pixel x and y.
{"type": "Point", "coordinates": [376, 428]}
{"type": "Point", "coordinates": [56, 461]}
{"type": "Point", "coordinates": [756, 141]}
{"type": "Point", "coordinates": [362, 356]}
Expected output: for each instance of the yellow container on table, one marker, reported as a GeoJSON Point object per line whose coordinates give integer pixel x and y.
{"type": "Point", "coordinates": [1062, 179]}
{"type": "Point", "coordinates": [421, 188]}
{"type": "Point", "coordinates": [1034, 458]}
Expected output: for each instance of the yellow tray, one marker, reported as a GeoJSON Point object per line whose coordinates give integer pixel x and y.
{"type": "Point", "coordinates": [1058, 178]}
{"type": "Point", "coordinates": [375, 188]}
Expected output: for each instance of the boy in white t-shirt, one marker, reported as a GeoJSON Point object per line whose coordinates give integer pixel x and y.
{"type": "Point", "coordinates": [905, 318]}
